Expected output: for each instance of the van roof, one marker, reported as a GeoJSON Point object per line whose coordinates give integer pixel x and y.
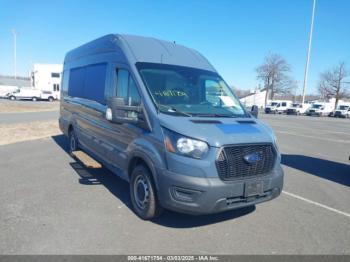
{"type": "Point", "coordinates": [142, 49]}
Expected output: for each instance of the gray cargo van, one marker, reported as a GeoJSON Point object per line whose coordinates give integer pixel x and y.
{"type": "Point", "coordinates": [159, 115]}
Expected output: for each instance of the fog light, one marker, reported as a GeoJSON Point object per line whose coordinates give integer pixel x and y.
{"type": "Point", "coordinates": [184, 194]}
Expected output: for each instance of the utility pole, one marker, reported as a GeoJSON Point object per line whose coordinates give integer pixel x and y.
{"type": "Point", "coordinates": [308, 51]}
{"type": "Point", "coordinates": [14, 52]}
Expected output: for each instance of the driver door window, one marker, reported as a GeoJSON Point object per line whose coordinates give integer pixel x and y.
{"type": "Point", "coordinates": [126, 88]}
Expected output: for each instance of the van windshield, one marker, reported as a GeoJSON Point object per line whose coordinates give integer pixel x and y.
{"type": "Point", "coordinates": [343, 107]}
{"type": "Point", "coordinates": [189, 91]}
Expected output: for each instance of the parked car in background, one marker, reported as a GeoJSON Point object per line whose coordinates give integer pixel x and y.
{"type": "Point", "coordinates": [25, 94]}
{"type": "Point", "coordinates": [278, 106]}
{"type": "Point", "coordinates": [342, 111]}
{"type": "Point", "coordinates": [320, 109]}
{"type": "Point", "coordinates": [31, 94]}
{"type": "Point", "coordinates": [298, 109]}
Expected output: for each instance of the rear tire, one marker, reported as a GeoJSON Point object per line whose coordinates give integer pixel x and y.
{"type": "Point", "coordinates": [143, 194]}
{"type": "Point", "coordinates": [12, 98]}
{"type": "Point", "coordinates": [73, 142]}
{"type": "Point", "coordinates": [34, 99]}
{"type": "Point", "coordinates": [50, 99]}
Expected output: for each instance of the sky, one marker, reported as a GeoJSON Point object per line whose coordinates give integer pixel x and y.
{"type": "Point", "coordinates": [235, 35]}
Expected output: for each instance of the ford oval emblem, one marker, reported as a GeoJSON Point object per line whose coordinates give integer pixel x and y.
{"type": "Point", "coordinates": [252, 158]}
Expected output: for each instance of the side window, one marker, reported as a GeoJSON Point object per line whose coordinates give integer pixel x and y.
{"type": "Point", "coordinates": [95, 82]}
{"type": "Point", "coordinates": [122, 83]}
{"type": "Point", "coordinates": [76, 82]}
{"type": "Point", "coordinates": [134, 96]}
{"type": "Point", "coordinates": [126, 88]}
{"type": "Point", "coordinates": [87, 82]}
{"type": "Point", "coordinates": [55, 75]}
{"type": "Point", "coordinates": [284, 104]}
{"type": "Point", "coordinates": [65, 79]}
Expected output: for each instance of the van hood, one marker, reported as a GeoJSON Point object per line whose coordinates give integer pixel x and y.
{"type": "Point", "coordinates": [219, 131]}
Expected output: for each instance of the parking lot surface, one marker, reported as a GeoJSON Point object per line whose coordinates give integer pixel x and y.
{"type": "Point", "coordinates": [49, 204]}
{"type": "Point", "coordinates": [25, 117]}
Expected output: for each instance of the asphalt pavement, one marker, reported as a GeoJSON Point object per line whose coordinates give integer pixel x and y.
{"type": "Point", "coordinates": [13, 118]}
{"type": "Point", "coordinates": [49, 204]}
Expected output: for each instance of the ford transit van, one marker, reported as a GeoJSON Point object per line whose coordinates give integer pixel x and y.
{"type": "Point", "coordinates": [159, 115]}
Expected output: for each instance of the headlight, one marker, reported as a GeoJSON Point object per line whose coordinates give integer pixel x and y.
{"type": "Point", "coordinates": [182, 145]}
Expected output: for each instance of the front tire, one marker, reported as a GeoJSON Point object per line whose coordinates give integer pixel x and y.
{"type": "Point", "coordinates": [34, 99]}
{"type": "Point", "coordinates": [143, 194]}
{"type": "Point", "coordinates": [12, 98]}
{"type": "Point", "coordinates": [50, 99]}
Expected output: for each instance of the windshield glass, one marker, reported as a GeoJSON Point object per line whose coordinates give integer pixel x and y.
{"type": "Point", "coordinates": [343, 107]}
{"type": "Point", "coordinates": [189, 91]}
{"type": "Point", "coordinates": [296, 105]}
{"type": "Point", "coordinates": [316, 106]}
{"type": "Point", "coordinates": [273, 104]}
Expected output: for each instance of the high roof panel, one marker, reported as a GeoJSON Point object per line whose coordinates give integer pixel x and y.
{"type": "Point", "coordinates": [143, 49]}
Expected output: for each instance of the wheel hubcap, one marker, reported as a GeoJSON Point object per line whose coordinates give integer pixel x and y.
{"type": "Point", "coordinates": [141, 192]}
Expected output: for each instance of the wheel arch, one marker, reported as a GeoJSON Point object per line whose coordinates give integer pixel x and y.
{"type": "Point", "coordinates": [138, 158]}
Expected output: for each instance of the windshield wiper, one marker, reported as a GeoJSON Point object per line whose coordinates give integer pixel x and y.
{"type": "Point", "coordinates": [174, 110]}
{"type": "Point", "coordinates": [216, 115]}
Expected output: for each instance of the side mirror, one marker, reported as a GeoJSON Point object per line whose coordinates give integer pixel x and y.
{"type": "Point", "coordinates": [254, 111]}
{"type": "Point", "coordinates": [118, 112]}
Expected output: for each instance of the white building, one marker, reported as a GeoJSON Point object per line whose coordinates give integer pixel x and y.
{"type": "Point", "coordinates": [257, 97]}
{"type": "Point", "coordinates": [47, 77]}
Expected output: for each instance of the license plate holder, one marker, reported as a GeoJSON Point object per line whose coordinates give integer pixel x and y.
{"type": "Point", "coordinates": [253, 188]}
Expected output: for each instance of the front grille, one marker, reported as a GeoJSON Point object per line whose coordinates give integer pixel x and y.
{"type": "Point", "coordinates": [231, 164]}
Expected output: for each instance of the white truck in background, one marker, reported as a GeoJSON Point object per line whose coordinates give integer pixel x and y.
{"type": "Point", "coordinates": [320, 109]}
{"type": "Point", "coordinates": [278, 106]}
{"type": "Point", "coordinates": [298, 109]}
{"type": "Point", "coordinates": [31, 94]}
{"type": "Point", "coordinates": [343, 110]}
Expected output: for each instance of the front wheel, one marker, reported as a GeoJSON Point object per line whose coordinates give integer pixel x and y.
{"type": "Point", "coordinates": [50, 99]}
{"type": "Point", "coordinates": [12, 98]}
{"type": "Point", "coordinates": [143, 194]}
{"type": "Point", "coordinates": [34, 99]}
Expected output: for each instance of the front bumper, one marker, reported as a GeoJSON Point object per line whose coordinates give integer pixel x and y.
{"type": "Point", "coordinates": [200, 195]}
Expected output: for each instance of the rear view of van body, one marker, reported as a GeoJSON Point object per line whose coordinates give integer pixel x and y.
{"type": "Point", "coordinates": [158, 115]}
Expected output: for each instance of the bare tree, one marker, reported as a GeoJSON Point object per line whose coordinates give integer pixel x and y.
{"type": "Point", "coordinates": [240, 92]}
{"type": "Point", "coordinates": [334, 83]}
{"type": "Point", "coordinates": [273, 72]}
